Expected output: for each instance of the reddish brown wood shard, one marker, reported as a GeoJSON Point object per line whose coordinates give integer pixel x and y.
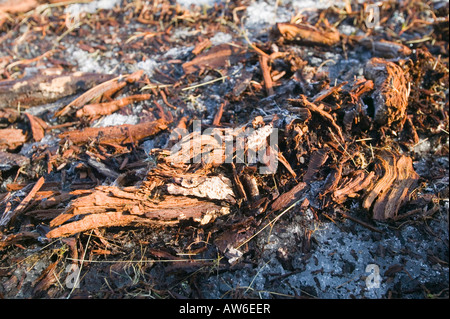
{"type": "Point", "coordinates": [392, 189]}
{"type": "Point", "coordinates": [318, 158]}
{"type": "Point", "coordinates": [387, 169]}
{"type": "Point", "coordinates": [391, 91]}
{"type": "Point", "coordinates": [407, 179]}
{"type": "Point", "coordinates": [92, 221]}
{"type": "Point", "coordinates": [350, 186]}
{"type": "Point", "coordinates": [38, 127]}
{"type": "Point", "coordinates": [120, 134]}
{"type": "Point", "coordinates": [385, 49]}
{"type": "Point", "coordinates": [11, 138]}
{"type": "Point", "coordinates": [16, 238]}
{"type": "Point", "coordinates": [43, 89]}
{"type": "Point", "coordinates": [308, 34]}
{"type": "Point", "coordinates": [289, 198]}
{"type": "Point", "coordinates": [219, 56]}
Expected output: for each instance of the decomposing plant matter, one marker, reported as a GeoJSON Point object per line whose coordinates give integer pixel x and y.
{"type": "Point", "coordinates": [191, 141]}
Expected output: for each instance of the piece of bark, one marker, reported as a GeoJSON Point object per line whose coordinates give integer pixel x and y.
{"type": "Point", "coordinates": [178, 208]}
{"type": "Point", "coordinates": [96, 93]}
{"type": "Point", "coordinates": [120, 134]}
{"type": "Point", "coordinates": [290, 197]}
{"type": "Point", "coordinates": [9, 115]}
{"type": "Point", "coordinates": [46, 279]}
{"type": "Point", "coordinates": [391, 91]}
{"type": "Point", "coordinates": [171, 210]}
{"type": "Point", "coordinates": [11, 216]}
{"type": "Point", "coordinates": [44, 89]}
{"type": "Point", "coordinates": [308, 34]}
{"type": "Point", "coordinates": [386, 168]}
{"type": "Point", "coordinates": [100, 109]}
{"type": "Point", "coordinates": [201, 46]}
{"type": "Point", "coordinates": [385, 49]}
{"type": "Point", "coordinates": [332, 180]}
{"type": "Point", "coordinates": [92, 221]}
{"type": "Point", "coordinates": [10, 160]}
{"type": "Point", "coordinates": [38, 127]}
{"type": "Point", "coordinates": [318, 158]}
{"type": "Point", "coordinates": [406, 181]}
{"type": "Point", "coordinates": [218, 57]}
{"type": "Point", "coordinates": [303, 101]}
{"type": "Point", "coordinates": [11, 139]}
{"type": "Point", "coordinates": [265, 68]}
{"type": "Point", "coordinates": [359, 180]}
{"type": "Point", "coordinates": [16, 238]}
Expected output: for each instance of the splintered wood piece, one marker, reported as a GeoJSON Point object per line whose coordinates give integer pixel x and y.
{"type": "Point", "coordinates": [16, 238]}
{"type": "Point", "coordinates": [407, 179]}
{"type": "Point", "coordinates": [11, 138]}
{"type": "Point", "coordinates": [92, 221]}
{"type": "Point", "coordinates": [107, 88]}
{"type": "Point", "coordinates": [219, 56]}
{"type": "Point", "coordinates": [100, 109]}
{"type": "Point", "coordinates": [10, 160]}
{"type": "Point", "coordinates": [385, 49]}
{"type": "Point", "coordinates": [13, 6]}
{"type": "Point", "coordinates": [177, 208]}
{"type": "Point", "coordinates": [9, 218]}
{"type": "Point", "coordinates": [289, 198]}
{"type": "Point", "coordinates": [308, 34]}
{"type": "Point", "coordinates": [332, 180]}
{"type": "Point", "coordinates": [303, 101]}
{"type": "Point", "coordinates": [265, 68]}
{"type": "Point", "coordinates": [391, 91]}
{"type": "Point", "coordinates": [38, 127]}
{"type": "Point", "coordinates": [43, 89]}
{"type": "Point", "coordinates": [120, 134]}
{"type": "Point", "coordinates": [202, 45]}
{"type": "Point", "coordinates": [359, 181]}
{"type": "Point", "coordinates": [387, 168]}
{"type": "Point", "coordinates": [318, 158]}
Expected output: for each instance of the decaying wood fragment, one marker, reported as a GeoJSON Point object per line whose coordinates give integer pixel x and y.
{"type": "Point", "coordinates": [397, 179]}
{"type": "Point", "coordinates": [100, 109]}
{"type": "Point", "coordinates": [391, 91]}
{"type": "Point", "coordinates": [303, 101]}
{"type": "Point", "coordinates": [38, 127]}
{"type": "Point", "coordinates": [386, 168]}
{"type": "Point", "coordinates": [43, 89]}
{"type": "Point", "coordinates": [186, 196]}
{"type": "Point", "coordinates": [218, 57]}
{"type": "Point", "coordinates": [11, 138]}
{"type": "Point", "coordinates": [10, 217]}
{"type": "Point", "coordinates": [406, 181]}
{"type": "Point", "coordinates": [290, 197]}
{"type": "Point", "coordinates": [10, 160]}
{"type": "Point", "coordinates": [120, 134]}
{"type": "Point", "coordinates": [308, 34]}
{"type": "Point", "coordinates": [318, 158]}
{"type": "Point", "coordinates": [268, 83]}
{"type": "Point", "coordinates": [351, 185]}
{"type": "Point", "coordinates": [12, 239]}
{"type": "Point", "coordinates": [385, 49]}
{"type": "Point", "coordinates": [214, 187]}
{"type": "Point", "coordinates": [95, 94]}
{"type": "Point", "coordinates": [92, 221]}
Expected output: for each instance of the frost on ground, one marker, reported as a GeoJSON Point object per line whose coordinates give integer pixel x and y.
{"type": "Point", "coordinates": [337, 267]}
